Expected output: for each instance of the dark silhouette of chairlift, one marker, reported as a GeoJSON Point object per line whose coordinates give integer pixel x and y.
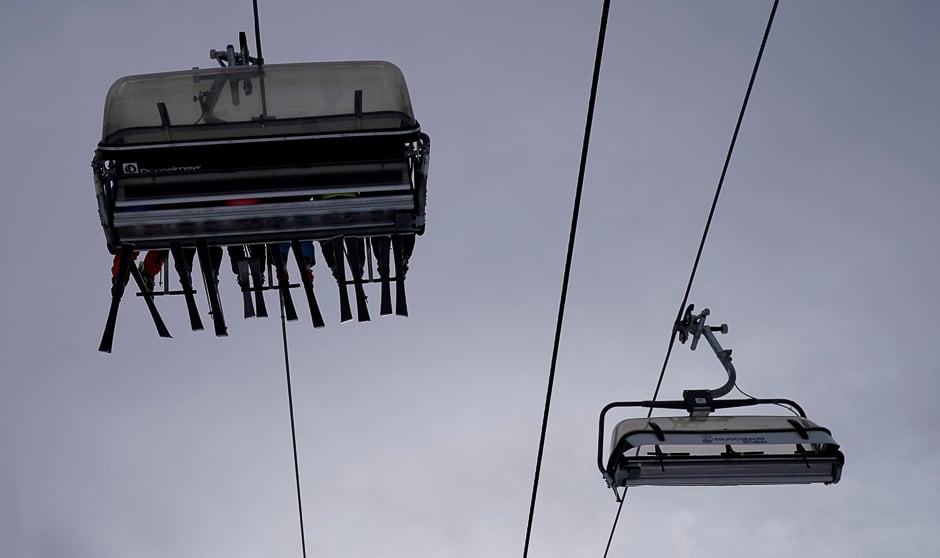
{"type": "Point", "coordinates": [254, 154]}
{"type": "Point", "coordinates": [708, 450]}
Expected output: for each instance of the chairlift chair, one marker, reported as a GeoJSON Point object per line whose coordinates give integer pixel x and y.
{"type": "Point", "coordinates": [254, 154]}
{"type": "Point", "coordinates": [712, 450]}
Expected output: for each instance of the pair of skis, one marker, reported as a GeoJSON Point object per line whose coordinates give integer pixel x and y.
{"type": "Point", "coordinates": [381, 245]}
{"type": "Point", "coordinates": [284, 286]}
{"type": "Point", "coordinates": [251, 281]}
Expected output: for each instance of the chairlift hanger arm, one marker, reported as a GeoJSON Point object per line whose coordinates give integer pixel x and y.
{"type": "Point", "coordinates": [695, 326]}
{"type": "Point", "coordinates": [228, 58]}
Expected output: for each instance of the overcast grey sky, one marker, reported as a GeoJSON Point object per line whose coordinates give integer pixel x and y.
{"type": "Point", "coordinates": [418, 436]}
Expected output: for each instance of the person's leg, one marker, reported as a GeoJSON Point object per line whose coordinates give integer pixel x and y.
{"type": "Point", "coordinates": [326, 247]}
{"type": "Point", "coordinates": [408, 248]}
{"type": "Point", "coordinates": [153, 263]}
{"type": "Point", "coordinates": [189, 255]}
{"type": "Point", "coordinates": [257, 252]}
{"type": "Point", "coordinates": [284, 249]}
{"type": "Point", "coordinates": [408, 244]}
{"type": "Point", "coordinates": [256, 261]}
{"type": "Point", "coordinates": [215, 260]}
{"type": "Point", "coordinates": [306, 248]}
{"type": "Point", "coordinates": [380, 247]}
{"type": "Point", "coordinates": [236, 253]}
{"type": "Point", "coordinates": [361, 244]}
{"type": "Point", "coordinates": [116, 262]}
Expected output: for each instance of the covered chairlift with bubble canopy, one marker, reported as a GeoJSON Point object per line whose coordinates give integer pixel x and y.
{"type": "Point", "coordinates": [257, 154]}
{"type": "Point", "coordinates": [702, 449]}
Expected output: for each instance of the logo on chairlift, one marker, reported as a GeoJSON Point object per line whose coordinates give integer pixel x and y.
{"type": "Point", "coordinates": [710, 438]}
{"type": "Point", "coordinates": [134, 168]}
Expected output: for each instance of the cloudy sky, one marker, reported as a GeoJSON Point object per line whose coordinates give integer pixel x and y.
{"type": "Point", "coordinates": [418, 436]}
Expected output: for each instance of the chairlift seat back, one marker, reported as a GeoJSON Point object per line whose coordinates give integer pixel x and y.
{"type": "Point", "coordinates": [722, 450]}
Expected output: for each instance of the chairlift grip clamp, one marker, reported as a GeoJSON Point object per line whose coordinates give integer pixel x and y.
{"type": "Point", "coordinates": [695, 326]}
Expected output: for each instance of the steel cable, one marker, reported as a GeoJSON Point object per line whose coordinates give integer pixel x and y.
{"type": "Point", "coordinates": [293, 430]}
{"type": "Point", "coordinates": [567, 274]}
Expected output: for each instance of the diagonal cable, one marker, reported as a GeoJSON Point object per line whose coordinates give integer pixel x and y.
{"type": "Point", "coordinates": [708, 223]}
{"type": "Point", "coordinates": [613, 528]}
{"type": "Point", "coordinates": [293, 431]}
{"type": "Point", "coordinates": [564, 284]}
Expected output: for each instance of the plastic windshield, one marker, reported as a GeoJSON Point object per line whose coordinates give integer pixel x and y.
{"type": "Point", "coordinates": [250, 102]}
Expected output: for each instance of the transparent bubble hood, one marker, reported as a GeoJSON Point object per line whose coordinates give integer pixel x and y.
{"type": "Point", "coordinates": [251, 102]}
